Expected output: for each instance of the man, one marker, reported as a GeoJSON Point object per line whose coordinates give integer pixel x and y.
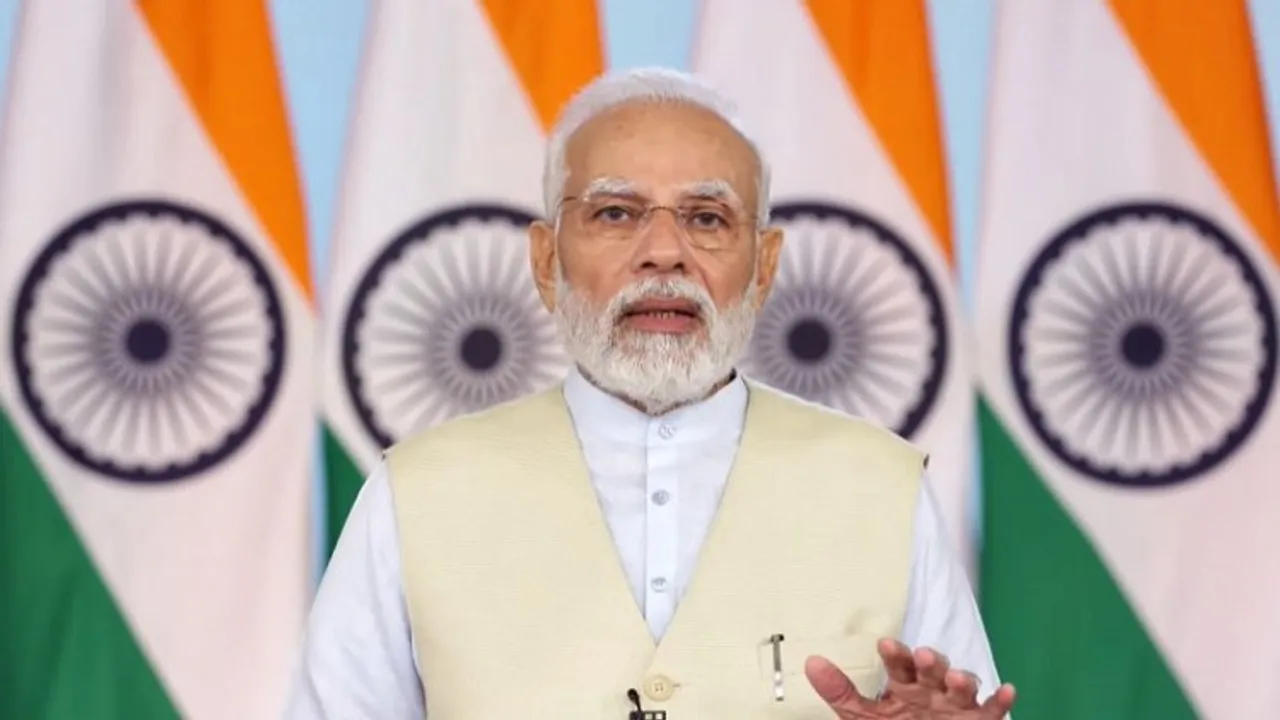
{"type": "Point", "coordinates": [782, 560]}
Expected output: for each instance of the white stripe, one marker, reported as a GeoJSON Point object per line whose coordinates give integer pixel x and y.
{"type": "Point", "coordinates": [1076, 124]}
{"type": "Point", "coordinates": [822, 147]}
{"type": "Point", "coordinates": [441, 119]}
{"type": "Point", "coordinates": [210, 572]}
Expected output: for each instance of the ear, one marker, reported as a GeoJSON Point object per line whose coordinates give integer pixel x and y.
{"type": "Point", "coordinates": [543, 261]}
{"type": "Point", "coordinates": [768, 251]}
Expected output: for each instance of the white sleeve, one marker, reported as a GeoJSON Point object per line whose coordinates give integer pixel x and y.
{"type": "Point", "coordinates": [358, 659]}
{"type": "Point", "coordinates": [942, 613]}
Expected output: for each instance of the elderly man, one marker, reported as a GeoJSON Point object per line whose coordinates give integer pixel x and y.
{"type": "Point", "coordinates": [658, 531]}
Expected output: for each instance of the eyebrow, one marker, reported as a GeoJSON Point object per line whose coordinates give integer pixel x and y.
{"type": "Point", "coordinates": [609, 186]}
{"type": "Point", "coordinates": [717, 190]}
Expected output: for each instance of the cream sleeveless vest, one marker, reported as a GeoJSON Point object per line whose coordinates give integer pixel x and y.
{"type": "Point", "coordinates": [520, 607]}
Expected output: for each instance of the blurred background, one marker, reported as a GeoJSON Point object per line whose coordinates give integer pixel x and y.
{"type": "Point", "coordinates": [1133, 608]}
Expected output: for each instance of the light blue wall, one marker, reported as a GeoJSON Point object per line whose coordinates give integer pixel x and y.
{"type": "Point", "coordinates": [320, 47]}
{"type": "Point", "coordinates": [320, 44]}
{"type": "Point", "coordinates": [320, 41]}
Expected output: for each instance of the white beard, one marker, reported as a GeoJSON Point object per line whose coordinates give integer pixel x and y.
{"type": "Point", "coordinates": [657, 371]}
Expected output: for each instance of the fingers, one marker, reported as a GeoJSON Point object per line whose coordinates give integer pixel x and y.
{"type": "Point", "coordinates": [1000, 703]}
{"type": "Point", "coordinates": [929, 672]}
{"type": "Point", "coordinates": [931, 668]}
{"type": "Point", "coordinates": [833, 686]}
{"type": "Point", "coordinates": [962, 689]}
{"type": "Point", "coordinates": [898, 661]}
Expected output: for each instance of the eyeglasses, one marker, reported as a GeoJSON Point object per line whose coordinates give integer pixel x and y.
{"type": "Point", "coordinates": [707, 224]}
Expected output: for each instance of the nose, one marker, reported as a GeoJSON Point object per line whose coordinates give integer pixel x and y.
{"type": "Point", "coordinates": [661, 246]}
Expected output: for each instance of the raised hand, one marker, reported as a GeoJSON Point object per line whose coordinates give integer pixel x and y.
{"type": "Point", "coordinates": [922, 686]}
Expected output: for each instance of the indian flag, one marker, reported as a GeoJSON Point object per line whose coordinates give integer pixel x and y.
{"type": "Point", "coordinates": [865, 314]}
{"type": "Point", "coordinates": [431, 310]}
{"type": "Point", "coordinates": [155, 404]}
{"type": "Point", "coordinates": [1130, 270]}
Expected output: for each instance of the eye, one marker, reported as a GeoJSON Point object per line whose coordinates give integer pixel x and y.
{"type": "Point", "coordinates": [707, 219]}
{"type": "Point", "coordinates": [614, 214]}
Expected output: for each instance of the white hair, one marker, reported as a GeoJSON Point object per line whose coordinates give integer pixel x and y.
{"type": "Point", "coordinates": [644, 85]}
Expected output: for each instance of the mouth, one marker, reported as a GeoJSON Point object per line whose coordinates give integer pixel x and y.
{"type": "Point", "coordinates": [663, 316]}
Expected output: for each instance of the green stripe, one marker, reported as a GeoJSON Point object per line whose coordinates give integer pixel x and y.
{"type": "Point", "coordinates": [1060, 628]}
{"type": "Point", "coordinates": [344, 480]}
{"type": "Point", "coordinates": [66, 651]}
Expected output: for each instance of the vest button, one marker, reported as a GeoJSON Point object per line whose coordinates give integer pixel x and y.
{"type": "Point", "coordinates": [659, 688]}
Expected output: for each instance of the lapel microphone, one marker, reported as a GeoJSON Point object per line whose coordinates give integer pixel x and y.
{"type": "Point", "coordinates": [640, 713]}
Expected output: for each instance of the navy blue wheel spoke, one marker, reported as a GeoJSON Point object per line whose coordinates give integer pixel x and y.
{"type": "Point", "coordinates": [1142, 344]}
{"type": "Point", "coordinates": [855, 321]}
{"type": "Point", "coordinates": [132, 311]}
{"type": "Point", "coordinates": [446, 321]}
{"type": "Point", "coordinates": [408, 317]}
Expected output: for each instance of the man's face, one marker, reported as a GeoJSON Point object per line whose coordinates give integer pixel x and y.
{"type": "Point", "coordinates": [656, 268]}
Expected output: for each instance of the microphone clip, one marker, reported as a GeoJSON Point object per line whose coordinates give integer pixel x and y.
{"type": "Point", "coordinates": [640, 713]}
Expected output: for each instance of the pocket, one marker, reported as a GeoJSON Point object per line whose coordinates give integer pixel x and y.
{"type": "Point", "coordinates": [854, 654]}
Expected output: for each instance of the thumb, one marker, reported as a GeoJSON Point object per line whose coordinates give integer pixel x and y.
{"type": "Point", "coordinates": [833, 686]}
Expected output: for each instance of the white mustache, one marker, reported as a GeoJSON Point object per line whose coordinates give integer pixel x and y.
{"type": "Point", "coordinates": [660, 289]}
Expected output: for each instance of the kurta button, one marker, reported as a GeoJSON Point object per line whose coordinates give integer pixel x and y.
{"type": "Point", "coordinates": [659, 687]}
